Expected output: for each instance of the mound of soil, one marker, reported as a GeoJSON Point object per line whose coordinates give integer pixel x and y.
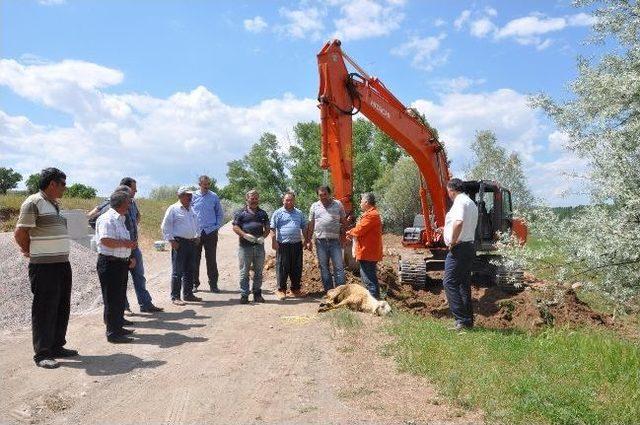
{"type": "Point", "coordinates": [540, 304]}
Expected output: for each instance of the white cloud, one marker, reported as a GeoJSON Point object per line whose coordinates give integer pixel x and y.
{"type": "Point", "coordinates": [456, 85]}
{"type": "Point", "coordinates": [302, 23]}
{"type": "Point", "coordinates": [557, 141]}
{"type": "Point", "coordinates": [51, 2]}
{"type": "Point", "coordinates": [482, 27]}
{"type": "Point", "coordinates": [462, 19]}
{"type": "Point", "coordinates": [159, 140]}
{"type": "Point", "coordinates": [255, 25]}
{"type": "Point", "coordinates": [439, 23]}
{"type": "Point", "coordinates": [551, 171]}
{"type": "Point", "coordinates": [422, 51]}
{"type": "Point", "coordinates": [368, 18]}
{"type": "Point", "coordinates": [527, 30]}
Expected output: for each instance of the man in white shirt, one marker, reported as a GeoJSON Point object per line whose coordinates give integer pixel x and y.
{"type": "Point", "coordinates": [114, 262]}
{"type": "Point", "coordinates": [180, 228]}
{"type": "Point", "coordinates": [459, 234]}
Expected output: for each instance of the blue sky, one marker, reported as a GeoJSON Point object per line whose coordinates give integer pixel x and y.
{"type": "Point", "coordinates": [166, 90]}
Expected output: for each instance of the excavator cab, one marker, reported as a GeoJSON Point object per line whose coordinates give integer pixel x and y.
{"type": "Point", "coordinates": [495, 212]}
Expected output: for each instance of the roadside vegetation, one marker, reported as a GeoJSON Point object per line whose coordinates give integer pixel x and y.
{"type": "Point", "coordinates": [556, 376]}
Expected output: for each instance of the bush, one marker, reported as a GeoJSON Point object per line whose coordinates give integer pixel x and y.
{"type": "Point", "coordinates": [78, 190]}
{"type": "Point", "coordinates": [164, 193]}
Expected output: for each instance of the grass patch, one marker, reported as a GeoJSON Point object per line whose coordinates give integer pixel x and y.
{"type": "Point", "coordinates": [343, 318]}
{"type": "Point", "coordinates": [557, 376]}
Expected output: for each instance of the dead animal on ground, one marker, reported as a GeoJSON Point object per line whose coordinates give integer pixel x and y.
{"type": "Point", "coordinates": [354, 297]}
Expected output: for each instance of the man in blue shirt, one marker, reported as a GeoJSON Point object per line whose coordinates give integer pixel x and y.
{"type": "Point", "coordinates": [288, 225]}
{"type": "Point", "coordinates": [206, 206]}
{"type": "Point", "coordinates": [132, 218]}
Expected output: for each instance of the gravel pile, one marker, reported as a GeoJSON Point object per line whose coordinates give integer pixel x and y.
{"type": "Point", "coordinates": [15, 290]}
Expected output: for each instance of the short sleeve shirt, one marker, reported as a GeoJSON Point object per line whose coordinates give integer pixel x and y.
{"type": "Point", "coordinates": [326, 219]}
{"type": "Point", "coordinates": [111, 225]}
{"type": "Point", "coordinates": [252, 223]}
{"type": "Point", "coordinates": [49, 237]}
{"type": "Point", "coordinates": [463, 209]}
{"type": "Point", "coordinates": [288, 224]}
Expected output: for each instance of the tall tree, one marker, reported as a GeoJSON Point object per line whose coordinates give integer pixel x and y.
{"type": "Point", "coordinates": [602, 121]}
{"type": "Point", "coordinates": [398, 190]}
{"type": "Point", "coordinates": [492, 162]}
{"type": "Point", "coordinates": [263, 168]}
{"type": "Point", "coordinates": [33, 183]}
{"type": "Point", "coordinates": [304, 163]}
{"type": "Point", "coordinates": [8, 179]}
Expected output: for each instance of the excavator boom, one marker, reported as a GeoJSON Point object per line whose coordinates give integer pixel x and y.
{"type": "Point", "coordinates": [343, 94]}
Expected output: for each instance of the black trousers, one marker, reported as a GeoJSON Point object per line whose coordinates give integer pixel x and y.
{"type": "Point", "coordinates": [113, 274]}
{"type": "Point", "coordinates": [51, 288]}
{"type": "Point", "coordinates": [210, 244]}
{"type": "Point", "coordinates": [457, 282]}
{"type": "Point", "coordinates": [289, 265]}
{"type": "Point", "coordinates": [183, 263]}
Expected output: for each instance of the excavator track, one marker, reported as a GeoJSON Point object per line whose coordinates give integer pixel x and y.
{"type": "Point", "coordinates": [413, 271]}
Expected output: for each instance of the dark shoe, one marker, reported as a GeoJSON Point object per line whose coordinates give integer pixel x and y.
{"type": "Point", "coordinates": [258, 298]}
{"type": "Point", "coordinates": [48, 363]}
{"type": "Point", "coordinates": [191, 298]}
{"type": "Point", "coordinates": [124, 331]}
{"type": "Point", "coordinates": [119, 339]}
{"type": "Point", "coordinates": [126, 322]}
{"type": "Point", "coordinates": [244, 299]}
{"type": "Point", "coordinates": [151, 309]}
{"type": "Point", "coordinates": [214, 289]}
{"type": "Point", "coordinates": [64, 352]}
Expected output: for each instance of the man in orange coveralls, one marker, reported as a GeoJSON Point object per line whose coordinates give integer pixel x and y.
{"type": "Point", "coordinates": [368, 240]}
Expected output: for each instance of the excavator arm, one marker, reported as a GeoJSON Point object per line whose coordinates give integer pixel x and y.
{"type": "Point", "coordinates": [341, 95]}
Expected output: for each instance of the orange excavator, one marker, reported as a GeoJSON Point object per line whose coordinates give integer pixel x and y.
{"type": "Point", "coordinates": [343, 94]}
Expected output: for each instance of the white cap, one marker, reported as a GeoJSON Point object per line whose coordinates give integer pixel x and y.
{"type": "Point", "coordinates": [184, 189]}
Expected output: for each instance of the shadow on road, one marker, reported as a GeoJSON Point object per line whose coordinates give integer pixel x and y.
{"type": "Point", "coordinates": [168, 340]}
{"type": "Point", "coordinates": [113, 364]}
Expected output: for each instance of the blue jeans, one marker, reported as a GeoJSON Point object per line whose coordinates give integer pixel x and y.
{"type": "Point", "coordinates": [139, 281]}
{"type": "Point", "coordinates": [457, 282]}
{"type": "Point", "coordinates": [330, 249]}
{"type": "Point", "coordinates": [251, 257]}
{"type": "Point", "coordinates": [183, 263]}
{"type": "Point", "coordinates": [369, 277]}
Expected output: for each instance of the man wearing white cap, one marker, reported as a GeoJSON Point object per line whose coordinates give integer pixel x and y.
{"type": "Point", "coordinates": [180, 228]}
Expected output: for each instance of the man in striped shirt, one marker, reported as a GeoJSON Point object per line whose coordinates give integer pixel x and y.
{"type": "Point", "coordinates": [41, 233]}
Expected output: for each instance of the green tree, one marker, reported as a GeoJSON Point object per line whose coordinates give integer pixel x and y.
{"type": "Point", "coordinates": [602, 121]}
{"type": "Point", "coordinates": [263, 169]}
{"type": "Point", "coordinates": [33, 183]}
{"type": "Point", "coordinates": [304, 163]}
{"type": "Point", "coordinates": [164, 193]}
{"type": "Point", "coordinates": [8, 179]}
{"type": "Point", "coordinates": [78, 190]}
{"type": "Point", "coordinates": [398, 190]}
{"type": "Point", "coordinates": [493, 163]}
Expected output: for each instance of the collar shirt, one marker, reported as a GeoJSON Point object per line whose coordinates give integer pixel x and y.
{"type": "Point", "coordinates": [49, 238]}
{"type": "Point", "coordinates": [465, 210]}
{"type": "Point", "coordinates": [131, 217]}
{"type": "Point", "coordinates": [252, 222]}
{"type": "Point", "coordinates": [111, 225]}
{"type": "Point", "coordinates": [179, 222]}
{"type": "Point", "coordinates": [208, 210]}
{"type": "Point", "coordinates": [288, 225]}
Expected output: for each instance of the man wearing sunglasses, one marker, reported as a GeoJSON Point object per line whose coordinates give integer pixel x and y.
{"type": "Point", "coordinates": [41, 233]}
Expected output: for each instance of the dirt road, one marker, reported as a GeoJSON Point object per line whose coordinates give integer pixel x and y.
{"type": "Point", "coordinates": [218, 362]}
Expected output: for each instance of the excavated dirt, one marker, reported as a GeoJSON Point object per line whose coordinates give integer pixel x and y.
{"type": "Point", "coordinates": [540, 304]}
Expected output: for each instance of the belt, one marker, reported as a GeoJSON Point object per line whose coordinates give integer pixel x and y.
{"type": "Point", "coordinates": [114, 258]}
{"type": "Point", "coordinates": [178, 238]}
